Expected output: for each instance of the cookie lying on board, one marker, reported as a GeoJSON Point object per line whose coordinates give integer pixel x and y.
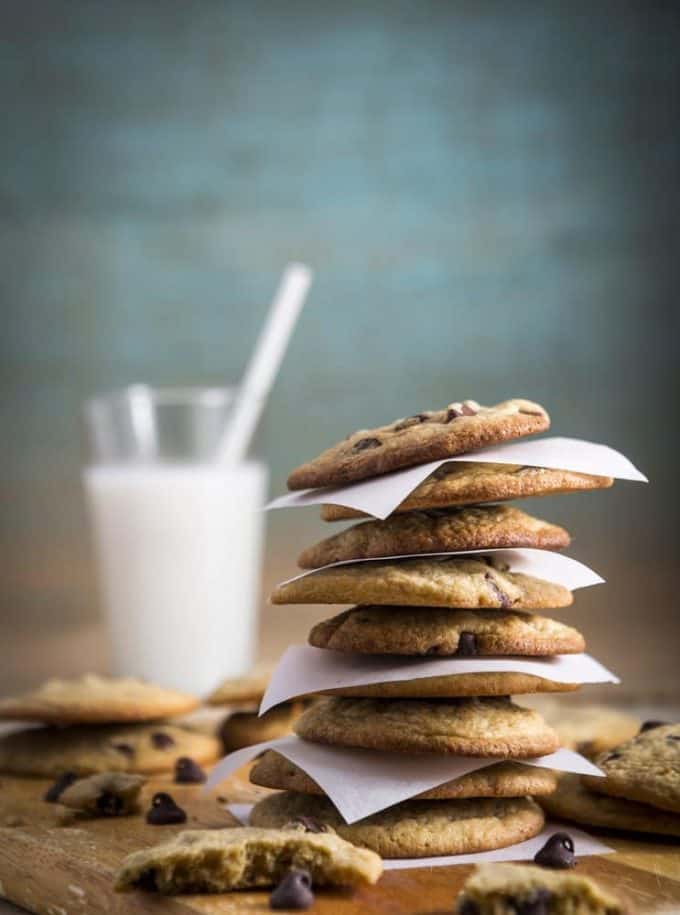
{"type": "Point", "coordinates": [469, 727]}
{"type": "Point", "coordinates": [92, 699]}
{"type": "Point", "coordinates": [573, 801]}
{"type": "Point", "coordinates": [505, 779]}
{"type": "Point", "coordinates": [104, 795]}
{"type": "Point", "coordinates": [219, 860]}
{"type": "Point", "coordinates": [467, 582]}
{"type": "Point", "coordinates": [241, 729]}
{"type": "Point", "coordinates": [469, 483]}
{"type": "Point", "coordinates": [430, 436]}
{"type": "Point", "coordinates": [444, 632]}
{"type": "Point", "coordinates": [588, 729]}
{"type": "Point", "coordinates": [143, 748]}
{"type": "Point", "coordinates": [645, 769]}
{"type": "Point", "coordinates": [520, 889]}
{"type": "Point", "coordinates": [445, 531]}
{"type": "Point", "coordinates": [412, 829]}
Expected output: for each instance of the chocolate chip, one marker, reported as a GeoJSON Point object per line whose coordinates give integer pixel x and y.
{"type": "Point", "coordinates": [467, 644]}
{"type": "Point", "coordinates": [455, 410]}
{"type": "Point", "coordinates": [162, 741]}
{"type": "Point", "coordinates": [536, 903]}
{"type": "Point", "coordinates": [310, 824]}
{"type": "Point", "coordinates": [467, 907]}
{"type": "Point", "coordinates": [294, 891]}
{"type": "Point", "coordinates": [365, 443]}
{"type": "Point", "coordinates": [164, 811]}
{"type": "Point", "coordinates": [147, 880]}
{"type": "Point", "coordinates": [501, 595]}
{"type": "Point", "coordinates": [53, 793]}
{"type": "Point", "coordinates": [125, 749]}
{"type": "Point", "coordinates": [650, 725]}
{"type": "Point", "coordinates": [410, 421]}
{"type": "Point", "coordinates": [672, 736]}
{"type": "Point", "coordinates": [109, 804]}
{"type": "Point", "coordinates": [558, 852]}
{"type": "Point", "coordinates": [188, 772]}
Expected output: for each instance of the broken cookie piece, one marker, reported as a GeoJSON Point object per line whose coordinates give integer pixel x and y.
{"type": "Point", "coordinates": [104, 795]}
{"type": "Point", "coordinates": [218, 860]}
{"type": "Point", "coordinates": [516, 889]}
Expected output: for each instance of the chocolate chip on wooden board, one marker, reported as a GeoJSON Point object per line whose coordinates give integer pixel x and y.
{"type": "Point", "coordinates": [558, 852]}
{"type": "Point", "coordinates": [293, 892]}
{"type": "Point", "coordinates": [164, 811]}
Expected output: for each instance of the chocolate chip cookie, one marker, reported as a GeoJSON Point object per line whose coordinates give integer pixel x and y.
{"type": "Point", "coordinates": [414, 829]}
{"type": "Point", "coordinates": [438, 531]}
{"type": "Point", "coordinates": [574, 801]}
{"type": "Point", "coordinates": [468, 727]}
{"type": "Point", "coordinates": [220, 860]}
{"type": "Point", "coordinates": [469, 483]}
{"type": "Point", "coordinates": [92, 699]}
{"type": "Point", "coordinates": [645, 769]}
{"type": "Point", "coordinates": [520, 889]}
{"type": "Point", "coordinates": [242, 729]}
{"type": "Point", "coordinates": [464, 582]}
{"type": "Point", "coordinates": [588, 729]}
{"type": "Point", "coordinates": [105, 794]}
{"type": "Point", "coordinates": [506, 779]}
{"type": "Point", "coordinates": [444, 632]}
{"type": "Point", "coordinates": [461, 427]}
{"type": "Point", "coordinates": [237, 690]}
{"type": "Point", "coordinates": [85, 750]}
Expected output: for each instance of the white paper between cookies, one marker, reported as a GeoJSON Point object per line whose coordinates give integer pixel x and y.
{"type": "Point", "coordinates": [584, 845]}
{"type": "Point", "coordinates": [380, 779]}
{"type": "Point", "coordinates": [379, 496]}
{"type": "Point", "coordinates": [554, 567]}
{"type": "Point", "coordinates": [304, 669]}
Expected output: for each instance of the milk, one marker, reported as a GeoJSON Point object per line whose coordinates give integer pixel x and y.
{"type": "Point", "coordinates": [179, 549]}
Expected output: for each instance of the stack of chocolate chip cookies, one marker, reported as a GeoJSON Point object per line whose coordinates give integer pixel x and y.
{"type": "Point", "coordinates": [412, 603]}
{"type": "Point", "coordinates": [99, 724]}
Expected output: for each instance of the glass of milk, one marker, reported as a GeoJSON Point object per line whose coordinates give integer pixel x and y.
{"type": "Point", "coordinates": [178, 538]}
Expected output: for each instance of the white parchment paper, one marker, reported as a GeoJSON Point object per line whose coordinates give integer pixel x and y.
{"type": "Point", "coordinates": [584, 845]}
{"type": "Point", "coordinates": [304, 669]}
{"type": "Point", "coordinates": [555, 567]}
{"type": "Point", "coordinates": [380, 495]}
{"type": "Point", "coordinates": [362, 782]}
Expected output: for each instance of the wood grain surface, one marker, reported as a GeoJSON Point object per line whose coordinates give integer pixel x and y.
{"type": "Point", "coordinates": [56, 870]}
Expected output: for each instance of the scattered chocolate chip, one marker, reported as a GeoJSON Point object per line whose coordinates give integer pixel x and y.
{"type": "Point", "coordinates": [164, 811]}
{"type": "Point", "coordinates": [410, 421]}
{"type": "Point", "coordinates": [188, 772]}
{"type": "Point", "coordinates": [310, 824]}
{"type": "Point", "coordinates": [53, 793]}
{"type": "Point", "coordinates": [294, 891]}
{"type": "Point", "coordinates": [467, 644]}
{"type": "Point", "coordinates": [365, 443]}
{"type": "Point", "coordinates": [558, 852]}
{"type": "Point", "coordinates": [162, 741]}
{"type": "Point", "coordinates": [147, 880]}
{"type": "Point", "coordinates": [125, 749]}
{"type": "Point", "coordinates": [650, 725]}
{"type": "Point", "coordinates": [109, 804]}
{"type": "Point", "coordinates": [536, 903]}
{"type": "Point", "coordinates": [467, 907]}
{"type": "Point", "coordinates": [501, 595]}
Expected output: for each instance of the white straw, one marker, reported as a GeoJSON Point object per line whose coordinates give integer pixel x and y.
{"type": "Point", "coordinates": [264, 363]}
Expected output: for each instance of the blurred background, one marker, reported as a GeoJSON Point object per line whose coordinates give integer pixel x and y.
{"type": "Point", "coordinates": [488, 192]}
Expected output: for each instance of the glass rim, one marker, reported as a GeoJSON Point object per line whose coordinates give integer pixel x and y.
{"type": "Point", "coordinates": [175, 395]}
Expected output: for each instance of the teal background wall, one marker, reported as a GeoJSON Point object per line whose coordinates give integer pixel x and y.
{"type": "Point", "coordinates": [488, 193]}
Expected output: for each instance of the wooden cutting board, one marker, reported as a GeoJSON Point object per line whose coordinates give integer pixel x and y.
{"type": "Point", "coordinates": [54, 870]}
